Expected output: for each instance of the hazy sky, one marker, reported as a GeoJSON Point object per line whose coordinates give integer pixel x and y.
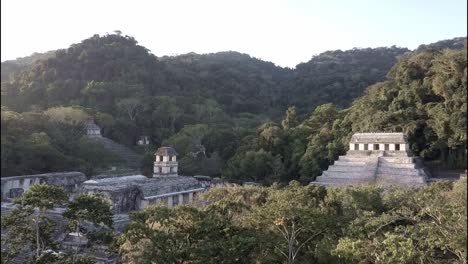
{"type": "Point", "coordinates": [283, 32]}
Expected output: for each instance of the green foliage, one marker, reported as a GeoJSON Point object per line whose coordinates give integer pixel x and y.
{"type": "Point", "coordinates": [27, 225]}
{"type": "Point", "coordinates": [33, 143]}
{"type": "Point", "coordinates": [184, 234]}
{"type": "Point", "coordinates": [92, 208]}
{"type": "Point", "coordinates": [306, 224]}
{"type": "Point", "coordinates": [257, 166]}
{"type": "Point", "coordinates": [43, 197]}
{"type": "Point", "coordinates": [425, 97]}
{"type": "Point", "coordinates": [427, 226]}
{"type": "Point", "coordinates": [68, 115]}
{"type": "Point", "coordinates": [131, 93]}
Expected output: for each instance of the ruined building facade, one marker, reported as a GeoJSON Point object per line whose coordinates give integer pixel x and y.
{"type": "Point", "coordinates": [135, 192]}
{"type": "Point", "coordinates": [127, 192]}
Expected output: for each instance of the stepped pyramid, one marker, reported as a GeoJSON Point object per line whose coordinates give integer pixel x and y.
{"type": "Point", "coordinates": [381, 159]}
{"type": "Point", "coordinates": [131, 159]}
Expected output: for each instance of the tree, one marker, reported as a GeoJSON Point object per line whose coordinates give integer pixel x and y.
{"type": "Point", "coordinates": [130, 106]}
{"type": "Point", "coordinates": [41, 197]}
{"type": "Point", "coordinates": [19, 233]}
{"type": "Point", "coordinates": [70, 115]}
{"type": "Point", "coordinates": [93, 208]}
{"type": "Point", "coordinates": [290, 120]}
{"type": "Point", "coordinates": [184, 234]}
{"type": "Point", "coordinates": [290, 232]}
{"type": "Point", "coordinates": [166, 112]}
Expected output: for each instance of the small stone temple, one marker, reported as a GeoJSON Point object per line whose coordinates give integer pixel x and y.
{"type": "Point", "coordinates": [92, 130]}
{"type": "Point", "coordinates": [135, 192]}
{"type": "Point", "coordinates": [382, 159]}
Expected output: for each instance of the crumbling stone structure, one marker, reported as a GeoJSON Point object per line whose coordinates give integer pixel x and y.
{"type": "Point", "coordinates": [134, 192]}
{"type": "Point", "coordinates": [383, 159]}
{"type": "Point", "coordinates": [92, 130]}
{"type": "Point", "coordinates": [15, 186]}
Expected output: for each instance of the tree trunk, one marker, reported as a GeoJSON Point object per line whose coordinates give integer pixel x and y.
{"type": "Point", "coordinates": [38, 251]}
{"type": "Point", "coordinates": [79, 241]}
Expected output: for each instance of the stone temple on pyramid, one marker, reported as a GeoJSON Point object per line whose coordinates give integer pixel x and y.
{"type": "Point", "coordinates": [381, 159]}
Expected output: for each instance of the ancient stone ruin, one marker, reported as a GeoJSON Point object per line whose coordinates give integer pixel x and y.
{"type": "Point", "coordinates": [15, 186]}
{"type": "Point", "coordinates": [165, 163]}
{"type": "Point", "coordinates": [92, 130]}
{"type": "Point", "coordinates": [382, 159]}
{"type": "Point", "coordinates": [126, 192]}
{"type": "Point", "coordinates": [134, 192]}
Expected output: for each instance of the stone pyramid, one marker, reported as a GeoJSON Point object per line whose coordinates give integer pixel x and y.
{"type": "Point", "coordinates": [381, 159]}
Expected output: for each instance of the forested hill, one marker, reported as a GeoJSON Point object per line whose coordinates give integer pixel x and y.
{"type": "Point", "coordinates": [204, 105]}
{"type": "Point", "coordinates": [11, 67]}
{"type": "Point", "coordinates": [237, 82]}
{"type": "Point", "coordinates": [339, 76]}
{"type": "Point", "coordinates": [455, 43]}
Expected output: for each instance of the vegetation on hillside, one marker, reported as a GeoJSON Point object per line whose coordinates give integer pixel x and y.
{"type": "Point", "coordinates": [222, 111]}
{"type": "Point", "coordinates": [424, 96]}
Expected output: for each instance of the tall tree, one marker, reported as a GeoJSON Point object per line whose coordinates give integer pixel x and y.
{"type": "Point", "coordinates": [41, 197]}
{"type": "Point", "coordinates": [93, 208]}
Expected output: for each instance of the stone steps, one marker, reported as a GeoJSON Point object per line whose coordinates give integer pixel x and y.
{"type": "Point", "coordinates": [398, 165]}
{"type": "Point", "coordinates": [378, 167]}
{"type": "Point", "coordinates": [349, 163]}
{"type": "Point", "coordinates": [342, 181]}
{"type": "Point", "coordinates": [354, 168]}
{"type": "Point", "coordinates": [397, 171]}
{"type": "Point", "coordinates": [356, 159]}
{"type": "Point", "coordinates": [348, 174]}
{"type": "Point", "coordinates": [130, 158]}
{"type": "Point", "coordinates": [396, 159]}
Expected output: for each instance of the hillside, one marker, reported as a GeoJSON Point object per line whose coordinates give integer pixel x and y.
{"type": "Point", "coordinates": [339, 76]}
{"type": "Point", "coordinates": [424, 96]}
{"type": "Point", "coordinates": [207, 106]}
{"type": "Point", "coordinates": [11, 67]}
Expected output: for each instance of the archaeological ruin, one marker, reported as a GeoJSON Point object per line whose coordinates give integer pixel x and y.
{"type": "Point", "coordinates": [134, 192]}
{"type": "Point", "coordinates": [92, 130]}
{"type": "Point", "coordinates": [127, 192]}
{"type": "Point", "coordinates": [382, 159]}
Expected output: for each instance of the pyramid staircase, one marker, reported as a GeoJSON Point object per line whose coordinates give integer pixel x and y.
{"type": "Point", "coordinates": [381, 168]}
{"type": "Point", "coordinates": [129, 157]}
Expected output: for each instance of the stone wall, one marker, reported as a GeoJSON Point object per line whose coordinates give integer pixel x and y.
{"type": "Point", "coordinates": [15, 186]}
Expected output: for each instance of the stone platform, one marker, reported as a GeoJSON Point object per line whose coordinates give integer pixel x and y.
{"type": "Point", "coordinates": [381, 168]}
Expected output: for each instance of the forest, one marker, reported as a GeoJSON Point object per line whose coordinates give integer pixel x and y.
{"type": "Point", "coordinates": [289, 223]}
{"type": "Point", "coordinates": [228, 114]}
{"type": "Point", "coordinates": [233, 116]}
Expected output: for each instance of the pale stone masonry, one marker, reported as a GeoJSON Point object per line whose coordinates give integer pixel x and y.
{"type": "Point", "coordinates": [92, 130]}
{"type": "Point", "coordinates": [135, 192]}
{"type": "Point", "coordinates": [165, 163]}
{"type": "Point", "coordinates": [127, 192]}
{"type": "Point", "coordinates": [381, 159]}
{"type": "Point", "coordinates": [15, 186]}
